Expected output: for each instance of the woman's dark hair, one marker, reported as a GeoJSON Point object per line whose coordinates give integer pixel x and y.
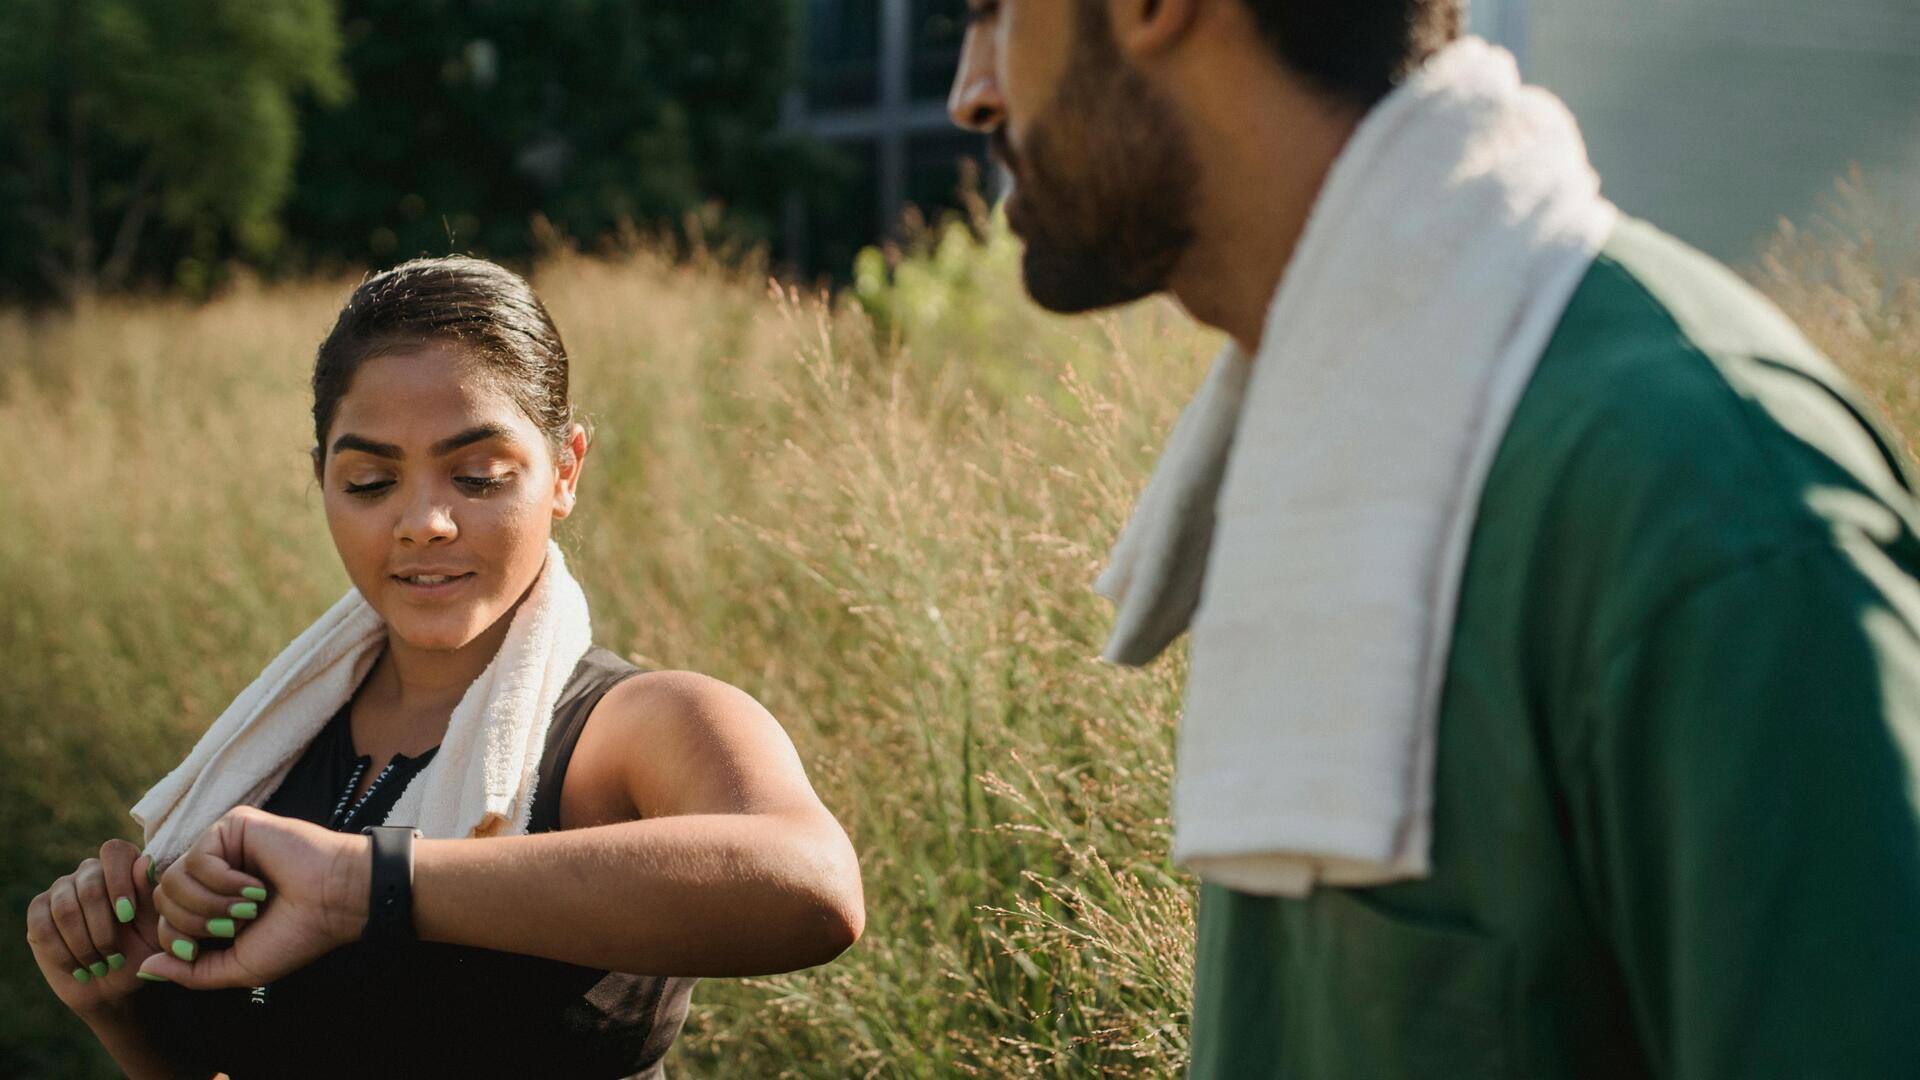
{"type": "Point", "coordinates": [1357, 50]}
{"type": "Point", "coordinates": [489, 311]}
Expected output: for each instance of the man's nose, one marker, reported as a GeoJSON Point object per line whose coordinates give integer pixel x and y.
{"type": "Point", "coordinates": [975, 102]}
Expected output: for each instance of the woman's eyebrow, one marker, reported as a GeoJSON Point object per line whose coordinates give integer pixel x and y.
{"type": "Point", "coordinates": [440, 449]}
{"type": "Point", "coordinates": [468, 437]}
{"type": "Point", "coordinates": [367, 446]}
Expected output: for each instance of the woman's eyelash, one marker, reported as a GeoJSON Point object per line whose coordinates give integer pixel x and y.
{"type": "Point", "coordinates": [477, 484]}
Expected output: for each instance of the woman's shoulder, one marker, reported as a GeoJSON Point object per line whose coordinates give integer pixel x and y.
{"type": "Point", "coordinates": [599, 670]}
{"type": "Point", "coordinates": [652, 703]}
{"type": "Point", "coordinates": [622, 727]}
{"type": "Point", "coordinates": [658, 738]}
{"type": "Point", "coordinates": [673, 705]}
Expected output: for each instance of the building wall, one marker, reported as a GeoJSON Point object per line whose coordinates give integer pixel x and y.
{"type": "Point", "coordinates": [1715, 118]}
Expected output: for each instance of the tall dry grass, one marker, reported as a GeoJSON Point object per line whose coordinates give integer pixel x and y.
{"type": "Point", "coordinates": [1851, 278]}
{"type": "Point", "coordinates": [878, 513]}
{"type": "Point", "coordinates": [883, 532]}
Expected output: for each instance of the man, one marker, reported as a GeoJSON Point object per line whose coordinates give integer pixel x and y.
{"type": "Point", "coordinates": [1554, 706]}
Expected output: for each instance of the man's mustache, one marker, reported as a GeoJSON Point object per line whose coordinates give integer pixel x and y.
{"type": "Point", "coordinates": [1001, 150]}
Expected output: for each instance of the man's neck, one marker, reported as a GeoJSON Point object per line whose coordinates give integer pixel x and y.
{"type": "Point", "coordinates": [1265, 144]}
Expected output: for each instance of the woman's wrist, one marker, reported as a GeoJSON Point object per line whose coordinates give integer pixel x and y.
{"type": "Point", "coordinates": [349, 883]}
{"type": "Point", "coordinates": [117, 1014]}
{"type": "Point", "coordinates": [127, 1038]}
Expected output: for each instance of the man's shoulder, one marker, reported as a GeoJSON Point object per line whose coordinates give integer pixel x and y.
{"type": "Point", "coordinates": [1679, 426]}
{"type": "Point", "coordinates": [1675, 399]}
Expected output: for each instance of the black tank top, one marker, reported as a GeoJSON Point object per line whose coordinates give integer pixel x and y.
{"type": "Point", "coordinates": [429, 1008]}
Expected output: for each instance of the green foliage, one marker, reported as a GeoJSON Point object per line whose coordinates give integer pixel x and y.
{"type": "Point", "coordinates": [156, 140]}
{"type": "Point", "coordinates": [469, 119]}
{"type": "Point", "coordinates": [939, 289]}
{"type": "Point", "coordinates": [120, 115]}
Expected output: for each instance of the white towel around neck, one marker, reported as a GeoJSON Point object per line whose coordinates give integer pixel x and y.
{"type": "Point", "coordinates": [480, 782]}
{"type": "Point", "coordinates": [1310, 515]}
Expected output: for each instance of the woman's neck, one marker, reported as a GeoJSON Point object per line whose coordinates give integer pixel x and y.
{"type": "Point", "coordinates": [411, 681]}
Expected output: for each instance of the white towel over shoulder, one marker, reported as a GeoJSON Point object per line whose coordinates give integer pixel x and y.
{"type": "Point", "coordinates": [1310, 516]}
{"type": "Point", "coordinates": [479, 783]}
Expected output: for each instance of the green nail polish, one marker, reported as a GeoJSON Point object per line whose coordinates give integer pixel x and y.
{"type": "Point", "coordinates": [254, 892]}
{"type": "Point", "coordinates": [117, 961]}
{"type": "Point", "coordinates": [183, 948]}
{"type": "Point", "coordinates": [99, 969]}
{"type": "Point", "coordinates": [150, 976]}
{"type": "Point", "coordinates": [81, 974]}
{"type": "Point", "coordinates": [152, 878]}
{"type": "Point", "coordinates": [220, 927]}
{"type": "Point", "coordinates": [244, 909]}
{"type": "Point", "coordinates": [123, 909]}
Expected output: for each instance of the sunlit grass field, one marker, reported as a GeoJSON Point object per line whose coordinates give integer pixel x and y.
{"type": "Point", "coordinates": [878, 512]}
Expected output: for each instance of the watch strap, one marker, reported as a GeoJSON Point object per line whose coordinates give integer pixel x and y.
{"type": "Point", "coordinates": [390, 887]}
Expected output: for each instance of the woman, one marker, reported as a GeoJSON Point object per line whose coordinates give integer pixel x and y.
{"type": "Point", "coordinates": [653, 822]}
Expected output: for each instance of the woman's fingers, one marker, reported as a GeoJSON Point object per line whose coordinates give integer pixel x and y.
{"type": "Point", "coordinates": [173, 942]}
{"type": "Point", "coordinates": [192, 909]}
{"type": "Point", "coordinates": [201, 896]}
{"type": "Point", "coordinates": [213, 969]}
{"type": "Point", "coordinates": [117, 858]}
{"type": "Point", "coordinates": [46, 939]}
{"type": "Point", "coordinates": [70, 920]}
{"type": "Point", "coordinates": [218, 876]}
{"type": "Point", "coordinates": [96, 905]}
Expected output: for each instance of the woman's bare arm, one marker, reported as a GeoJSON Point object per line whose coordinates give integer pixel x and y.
{"type": "Point", "coordinates": [733, 868]}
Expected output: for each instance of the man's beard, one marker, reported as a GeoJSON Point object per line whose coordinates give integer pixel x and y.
{"type": "Point", "coordinates": [1104, 186]}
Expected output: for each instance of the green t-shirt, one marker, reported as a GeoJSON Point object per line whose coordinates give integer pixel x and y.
{"type": "Point", "coordinates": [1675, 825]}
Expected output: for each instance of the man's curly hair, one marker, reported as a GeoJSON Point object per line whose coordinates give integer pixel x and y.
{"type": "Point", "coordinates": [1358, 50]}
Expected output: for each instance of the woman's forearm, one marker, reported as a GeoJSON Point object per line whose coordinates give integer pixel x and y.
{"type": "Point", "coordinates": [709, 894]}
{"type": "Point", "coordinates": [126, 1035]}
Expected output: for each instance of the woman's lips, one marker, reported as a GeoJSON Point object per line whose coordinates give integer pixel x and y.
{"type": "Point", "coordinates": [427, 586]}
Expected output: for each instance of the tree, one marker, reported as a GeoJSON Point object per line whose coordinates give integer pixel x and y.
{"type": "Point", "coordinates": [471, 117]}
{"type": "Point", "coordinates": [118, 117]}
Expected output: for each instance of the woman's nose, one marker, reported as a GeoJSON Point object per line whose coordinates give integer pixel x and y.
{"type": "Point", "coordinates": [975, 102]}
{"type": "Point", "coordinates": [426, 521]}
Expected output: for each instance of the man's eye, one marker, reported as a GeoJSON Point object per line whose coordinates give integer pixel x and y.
{"type": "Point", "coordinates": [373, 488]}
{"type": "Point", "coordinates": [982, 12]}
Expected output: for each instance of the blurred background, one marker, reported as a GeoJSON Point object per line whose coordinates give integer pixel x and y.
{"type": "Point", "coordinates": [840, 459]}
{"type": "Point", "coordinates": [161, 144]}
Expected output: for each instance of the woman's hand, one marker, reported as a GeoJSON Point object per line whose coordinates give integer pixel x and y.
{"type": "Point", "coordinates": [316, 878]}
{"type": "Point", "coordinates": [92, 929]}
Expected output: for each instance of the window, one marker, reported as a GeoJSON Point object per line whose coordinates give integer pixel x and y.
{"type": "Point", "coordinates": [938, 28]}
{"type": "Point", "coordinates": [843, 53]}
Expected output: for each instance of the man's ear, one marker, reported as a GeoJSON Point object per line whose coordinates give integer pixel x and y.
{"type": "Point", "coordinates": [1145, 28]}
{"type": "Point", "coordinates": [319, 465]}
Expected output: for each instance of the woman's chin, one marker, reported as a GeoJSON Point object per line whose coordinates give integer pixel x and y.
{"type": "Point", "coordinates": [435, 635]}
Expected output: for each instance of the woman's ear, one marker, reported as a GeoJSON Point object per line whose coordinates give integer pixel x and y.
{"type": "Point", "coordinates": [566, 473]}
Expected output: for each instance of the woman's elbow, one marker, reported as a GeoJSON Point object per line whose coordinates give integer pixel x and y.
{"type": "Point", "coordinates": [844, 919]}
{"type": "Point", "coordinates": [837, 909]}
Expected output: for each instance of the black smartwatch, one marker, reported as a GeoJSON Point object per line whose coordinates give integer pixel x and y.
{"type": "Point", "coordinates": [390, 892]}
